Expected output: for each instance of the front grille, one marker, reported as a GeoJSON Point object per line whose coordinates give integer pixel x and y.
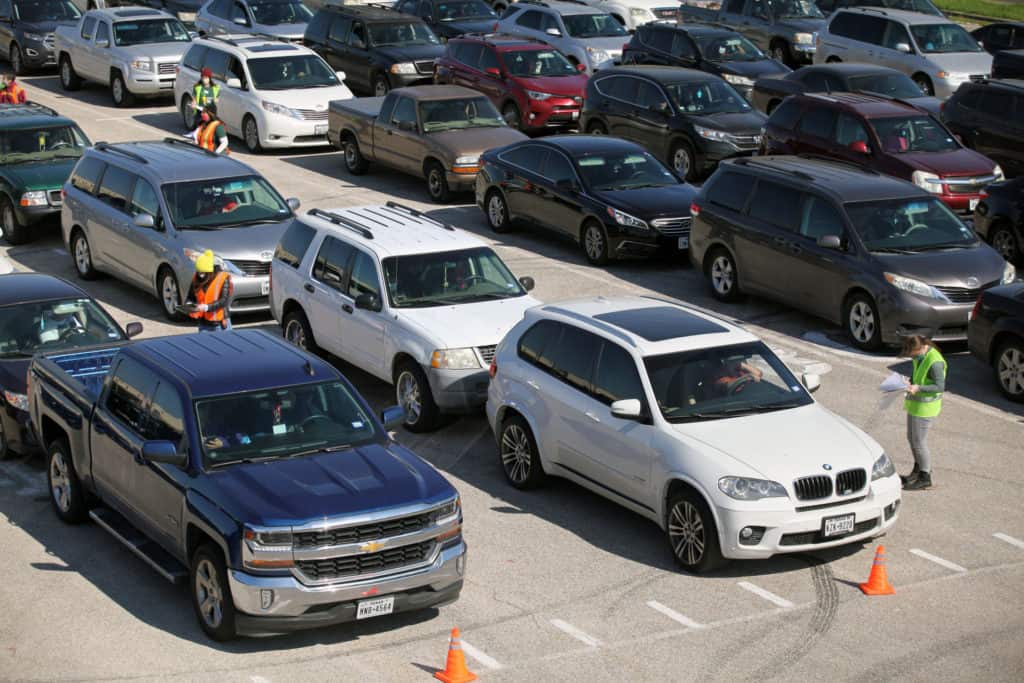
{"type": "Point", "coordinates": [967, 184]}
{"type": "Point", "coordinates": [812, 488]}
{"type": "Point", "coordinates": [745, 141]}
{"type": "Point", "coordinates": [673, 226]}
{"type": "Point", "coordinates": [371, 563]}
{"type": "Point", "coordinates": [977, 78]}
{"type": "Point", "coordinates": [166, 68]}
{"type": "Point", "coordinates": [310, 138]}
{"type": "Point", "coordinates": [850, 481]}
{"type": "Point", "coordinates": [49, 41]}
{"type": "Point", "coordinates": [55, 197]}
{"type": "Point", "coordinates": [363, 532]}
{"type": "Point", "coordinates": [666, 12]}
{"type": "Point", "coordinates": [312, 115]}
{"type": "Point", "coordinates": [964, 295]}
{"type": "Point", "coordinates": [812, 537]}
{"type": "Point", "coordinates": [253, 268]}
{"type": "Point", "coordinates": [487, 353]}
{"type": "Point", "coordinates": [425, 66]}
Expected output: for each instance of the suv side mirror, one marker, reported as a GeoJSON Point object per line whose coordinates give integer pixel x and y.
{"type": "Point", "coordinates": [392, 417]}
{"type": "Point", "coordinates": [627, 409]}
{"type": "Point", "coordinates": [811, 381]}
{"type": "Point", "coordinates": [859, 146]}
{"type": "Point", "coordinates": [368, 302]}
{"type": "Point", "coordinates": [103, 43]}
{"type": "Point", "coordinates": [830, 242]}
{"type": "Point", "coordinates": [492, 71]}
{"type": "Point", "coordinates": [903, 47]}
{"type": "Point", "coordinates": [144, 220]}
{"type": "Point", "coordinates": [293, 203]}
{"type": "Point", "coordinates": [133, 329]}
{"type": "Point", "coordinates": [407, 126]}
{"type": "Point", "coordinates": [553, 32]}
{"type": "Point", "coordinates": [527, 282]}
{"type": "Point", "coordinates": [659, 107]}
{"type": "Point", "coordinates": [165, 452]}
{"type": "Point", "coordinates": [233, 83]}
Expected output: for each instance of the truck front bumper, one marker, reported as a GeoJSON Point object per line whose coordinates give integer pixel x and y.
{"type": "Point", "coordinates": [295, 606]}
{"type": "Point", "coordinates": [146, 84]}
{"type": "Point", "coordinates": [458, 391]}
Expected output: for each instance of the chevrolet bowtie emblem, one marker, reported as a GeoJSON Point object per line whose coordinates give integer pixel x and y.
{"type": "Point", "coordinates": [371, 547]}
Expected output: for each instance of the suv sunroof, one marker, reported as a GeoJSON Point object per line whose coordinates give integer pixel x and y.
{"type": "Point", "coordinates": [277, 47]}
{"type": "Point", "coordinates": [660, 323]}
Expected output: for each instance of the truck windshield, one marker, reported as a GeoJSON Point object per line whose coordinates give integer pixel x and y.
{"type": "Point", "coordinates": [150, 31]}
{"type": "Point", "coordinates": [917, 224]}
{"type": "Point", "coordinates": [469, 112]}
{"type": "Point", "coordinates": [275, 12]}
{"type": "Point", "coordinates": [899, 86]}
{"type": "Point", "coordinates": [727, 48]}
{"type": "Point", "coordinates": [288, 73]}
{"type": "Point", "coordinates": [405, 33]}
{"type": "Point", "coordinates": [531, 63]}
{"type": "Point", "coordinates": [463, 10]}
{"type": "Point", "coordinates": [282, 423]}
{"type": "Point", "coordinates": [592, 25]}
{"type": "Point", "coordinates": [936, 38]}
{"type": "Point", "coordinates": [224, 203]}
{"type": "Point", "coordinates": [445, 278]}
{"type": "Point", "coordinates": [795, 9]}
{"type": "Point", "coordinates": [707, 97]}
{"type": "Point", "coordinates": [902, 134]}
{"type": "Point", "coordinates": [26, 328]}
{"type": "Point", "coordinates": [42, 143]}
{"type": "Point", "coordinates": [33, 11]}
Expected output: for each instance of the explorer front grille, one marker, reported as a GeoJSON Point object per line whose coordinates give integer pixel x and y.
{"type": "Point", "coordinates": [813, 488]}
{"type": "Point", "coordinates": [673, 226]}
{"type": "Point", "coordinates": [363, 532]}
{"type": "Point", "coordinates": [850, 481]}
{"type": "Point", "coordinates": [392, 559]}
{"type": "Point", "coordinates": [425, 67]}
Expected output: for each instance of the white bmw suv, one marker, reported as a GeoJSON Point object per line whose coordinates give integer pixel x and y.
{"type": "Point", "coordinates": [690, 421]}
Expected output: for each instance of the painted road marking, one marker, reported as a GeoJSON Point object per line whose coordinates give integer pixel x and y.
{"type": "Point", "coordinates": [938, 560]}
{"type": "Point", "coordinates": [1009, 539]}
{"type": "Point", "coordinates": [674, 615]}
{"type": "Point", "coordinates": [259, 679]}
{"type": "Point", "coordinates": [767, 595]}
{"type": "Point", "coordinates": [480, 656]}
{"type": "Point", "coordinates": [579, 635]}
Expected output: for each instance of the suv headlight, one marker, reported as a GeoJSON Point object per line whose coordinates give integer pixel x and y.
{"type": "Point", "coordinates": [909, 284]}
{"type": "Point", "coordinates": [928, 181]}
{"type": "Point", "coordinates": [34, 198]}
{"type": "Point", "coordinates": [737, 79]}
{"type": "Point", "coordinates": [712, 134]}
{"type": "Point", "coordinates": [998, 173]}
{"type": "Point", "coordinates": [455, 359]}
{"type": "Point", "coordinates": [1009, 274]}
{"type": "Point", "coordinates": [639, 12]}
{"type": "Point", "coordinates": [267, 548]}
{"type": "Point", "coordinates": [623, 218]}
{"type": "Point", "coordinates": [37, 37]}
{"type": "Point", "coordinates": [882, 468]}
{"type": "Point", "coordinates": [540, 96]}
{"type": "Point", "coordinates": [744, 488]}
{"type": "Point", "coordinates": [281, 110]}
{"type": "Point", "coordinates": [142, 65]}
{"type": "Point", "coordinates": [19, 401]}
{"type": "Point", "coordinates": [403, 68]}
{"type": "Point", "coordinates": [597, 55]}
{"type": "Point", "coordinates": [803, 38]}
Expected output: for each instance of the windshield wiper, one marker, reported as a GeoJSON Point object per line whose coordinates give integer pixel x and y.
{"type": "Point", "coordinates": [936, 247]}
{"type": "Point", "coordinates": [889, 250]}
{"type": "Point", "coordinates": [323, 449]}
{"type": "Point", "coordinates": [237, 224]}
{"type": "Point", "coordinates": [713, 414]}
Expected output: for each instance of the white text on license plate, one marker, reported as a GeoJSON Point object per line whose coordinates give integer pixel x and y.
{"type": "Point", "coordinates": [265, 288]}
{"type": "Point", "coordinates": [684, 242]}
{"type": "Point", "coordinates": [320, 129]}
{"type": "Point", "coordinates": [972, 204]}
{"type": "Point", "coordinates": [375, 608]}
{"type": "Point", "coordinates": [837, 526]}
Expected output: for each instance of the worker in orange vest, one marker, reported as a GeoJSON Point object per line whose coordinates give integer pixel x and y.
{"type": "Point", "coordinates": [10, 91]}
{"type": "Point", "coordinates": [210, 295]}
{"type": "Point", "coordinates": [211, 133]}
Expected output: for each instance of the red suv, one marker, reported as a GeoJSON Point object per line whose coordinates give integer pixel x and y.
{"type": "Point", "coordinates": [884, 135]}
{"type": "Point", "coordinates": [533, 85]}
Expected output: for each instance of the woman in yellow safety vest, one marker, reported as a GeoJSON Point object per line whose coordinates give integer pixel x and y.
{"type": "Point", "coordinates": [205, 92]}
{"type": "Point", "coordinates": [923, 404]}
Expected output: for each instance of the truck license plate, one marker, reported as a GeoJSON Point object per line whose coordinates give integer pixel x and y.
{"type": "Point", "coordinates": [320, 129]}
{"type": "Point", "coordinates": [837, 526]}
{"type": "Point", "coordinates": [375, 608]}
{"type": "Point", "coordinates": [684, 242]}
{"type": "Point", "coordinates": [265, 288]}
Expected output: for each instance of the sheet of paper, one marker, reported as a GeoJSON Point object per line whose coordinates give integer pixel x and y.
{"type": "Point", "coordinates": [893, 382]}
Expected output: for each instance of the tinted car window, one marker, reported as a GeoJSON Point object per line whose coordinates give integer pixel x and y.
{"type": "Point", "coordinates": [294, 243]}
{"type": "Point", "coordinates": [217, 63]}
{"type": "Point", "coordinates": [405, 110]}
{"type": "Point", "coordinates": [682, 47]}
{"type": "Point", "coordinates": [130, 388]}
{"type": "Point", "coordinates": [777, 205]}
{"type": "Point", "coordinates": [730, 190]}
{"type": "Point", "coordinates": [616, 377]}
{"type": "Point", "coordinates": [659, 39]}
{"type": "Point", "coordinates": [818, 122]}
{"type": "Point", "coordinates": [316, 30]}
{"type": "Point", "coordinates": [87, 174]}
{"type": "Point", "coordinates": [469, 54]}
{"type": "Point", "coordinates": [532, 343]}
{"type": "Point", "coordinates": [528, 157]}
{"type": "Point", "coordinates": [572, 358]}
{"type": "Point", "coordinates": [166, 416]}
{"type": "Point", "coordinates": [971, 97]}
{"type": "Point", "coordinates": [894, 35]}
{"type": "Point", "coordinates": [102, 32]}
{"type": "Point", "coordinates": [785, 115]}
{"type": "Point", "coordinates": [850, 130]}
{"type": "Point", "coordinates": [363, 278]}
{"type": "Point", "coordinates": [145, 199]}
{"type": "Point", "coordinates": [194, 57]}
{"type": "Point", "coordinates": [619, 87]}
{"type": "Point", "coordinates": [331, 262]}
{"type": "Point", "coordinates": [996, 102]}
{"type": "Point", "coordinates": [339, 29]}
{"type": "Point", "coordinates": [88, 27]}
{"type": "Point", "coordinates": [820, 218]}
{"type": "Point", "coordinates": [488, 60]}
{"type": "Point", "coordinates": [530, 20]}
{"type": "Point", "coordinates": [557, 167]}
{"type": "Point", "coordinates": [648, 94]}
{"type": "Point", "coordinates": [116, 187]}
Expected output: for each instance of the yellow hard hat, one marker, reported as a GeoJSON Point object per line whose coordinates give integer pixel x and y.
{"type": "Point", "coordinates": [204, 264]}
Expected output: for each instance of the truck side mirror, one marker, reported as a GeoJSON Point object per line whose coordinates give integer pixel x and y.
{"type": "Point", "coordinates": [164, 452]}
{"type": "Point", "coordinates": [233, 82]}
{"type": "Point", "coordinates": [392, 417]}
{"type": "Point", "coordinates": [103, 42]}
{"type": "Point", "coordinates": [293, 203]}
{"type": "Point", "coordinates": [133, 329]}
{"type": "Point", "coordinates": [368, 302]}
{"type": "Point", "coordinates": [407, 126]}
{"type": "Point", "coordinates": [811, 381]}
{"type": "Point", "coordinates": [859, 146]}
{"type": "Point", "coordinates": [830, 242]}
{"type": "Point", "coordinates": [553, 32]}
{"type": "Point", "coordinates": [492, 71]}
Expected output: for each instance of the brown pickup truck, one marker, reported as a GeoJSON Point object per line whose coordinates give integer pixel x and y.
{"type": "Point", "coordinates": [437, 132]}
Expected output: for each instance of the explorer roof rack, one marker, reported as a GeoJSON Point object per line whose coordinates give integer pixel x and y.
{"type": "Point", "coordinates": [416, 213]}
{"type": "Point", "coordinates": [342, 221]}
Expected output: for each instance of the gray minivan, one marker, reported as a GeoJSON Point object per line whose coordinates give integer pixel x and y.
{"type": "Point", "coordinates": [144, 212]}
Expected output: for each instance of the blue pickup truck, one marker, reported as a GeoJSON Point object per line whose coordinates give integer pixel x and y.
{"type": "Point", "coordinates": [253, 470]}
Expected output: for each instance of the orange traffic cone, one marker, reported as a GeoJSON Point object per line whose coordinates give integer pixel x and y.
{"type": "Point", "coordinates": [455, 670]}
{"type": "Point", "coordinates": [878, 582]}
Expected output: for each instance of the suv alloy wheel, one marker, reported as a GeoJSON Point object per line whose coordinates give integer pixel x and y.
{"type": "Point", "coordinates": [863, 324]}
{"type": "Point", "coordinates": [412, 391]}
{"type": "Point", "coordinates": [692, 534]}
{"type": "Point", "coordinates": [520, 459]}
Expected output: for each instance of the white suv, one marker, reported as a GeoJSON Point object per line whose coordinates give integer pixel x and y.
{"type": "Point", "coordinates": [690, 421]}
{"type": "Point", "coordinates": [402, 296]}
{"type": "Point", "coordinates": [272, 93]}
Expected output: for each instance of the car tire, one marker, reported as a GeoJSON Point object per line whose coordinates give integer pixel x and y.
{"type": "Point", "coordinates": [119, 91]}
{"type": "Point", "coordinates": [251, 135]}
{"type": "Point", "coordinates": [1008, 365]}
{"type": "Point", "coordinates": [10, 229]}
{"type": "Point", "coordinates": [518, 454]}
{"type": "Point", "coordinates": [692, 534]}
{"type": "Point", "coordinates": [510, 112]}
{"type": "Point", "coordinates": [15, 58]}
{"type": "Point", "coordinates": [355, 162]}
{"type": "Point", "coordinates": [683, 160]}
{"type": "Point", "coordinates": [863, 325]}
{"type": "Point", "coordinates": [723, 275]}
{"type": "Point", "coordinates": [596, 128]}
{"type": "Point", "coordinates": [66, 494]}
{"type": "Point", "coordinates": [594, 241]}
{"type": "Point", "coordinates": [1005, 242]}
{"type": "Point", "coordinates": [188, 114]}
{"type": "Point", "coordinates": [211, 593]}
{"type": "Point", "coordinates": [5, 450]}
{"type": "Point", "coordinates": [69, 80]}
{"type": "Point", "coordinates": [412, 391]}
{"type": "Point", "coordinates": [81, 255]}
{"type": "Point", "coordinates": [380, 86]}
{"type": "Point", "coordinates": [497, 211]}
{"type": "Point", "coordinates": [925, 84]}
{"type": "Point", "coordinates": [169, 294]}
{"type": "Point", "coordinates": [295, 329]}
{"type": "Point", "coordinates": [437, 183]}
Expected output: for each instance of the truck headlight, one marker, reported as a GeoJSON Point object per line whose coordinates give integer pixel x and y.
{"type": "Point", "coordinates": [34, 198]}
{"type": "Point", "coordinates": [998, 173]}
{"type": "Point", "coordinates": [744, 488]}
{"type": "Point", "coordinates": [928, 181]}
{"type": "Point", "coordinates": [882, 468]}
{"type": "Point", "coordinates": [804, 39]}
{"type": "Point", "coordinates": [281, 110]}
{"type": "Point", "coordinates": [597, 55]}
{"type": "Point", "coordinates": [539, 96]}
{"type": "Point", "coordinates": [403, 68]}
{"type": "Point", "coordinates": [145, 65]}
{"type": "Point", "coordinates": [466, 164]}
{"type": "Point", "coordinates": [623, 218]}
{"type": "Point", "coordinates": [712, 134]}
{"type": "Point", "coordinates": [736, 79]}
{"type": "Point", "coordinates": [909, 284]}
{"type": "Point", "coordinates": [267, 547]}
{"type": "Point", "coordinates": [19, 401]}
{"type": "Point", "coordinates": [455, 359]}
{"type": "Point", "coordinates": [1009, 274]}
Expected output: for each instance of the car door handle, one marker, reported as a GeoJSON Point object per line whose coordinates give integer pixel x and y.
{"type": "Point", "coordinates": [347, 308]}
{"type": "Point", "coordinates": [309, 288]}
{"type": "Point", "coordinates": [593, 417]}
{"type": "Point", "coordinates": [99, 426]}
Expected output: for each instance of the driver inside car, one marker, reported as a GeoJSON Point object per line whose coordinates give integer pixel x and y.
{"type": "Point", "coordinates": [58, 322]}
{"type": "Point", "coordinates": [731, 373]}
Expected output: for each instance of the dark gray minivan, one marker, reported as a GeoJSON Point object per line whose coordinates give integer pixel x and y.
{"type": "Point", "coordinates": [876, 254]}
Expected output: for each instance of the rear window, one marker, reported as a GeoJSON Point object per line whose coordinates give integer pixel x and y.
{"type": "Point", "coordinates": [86, 175]}
{"type": "Point", "coordinates": [729, 190]}
{"type": "Point", "coordinates": [294, 243]}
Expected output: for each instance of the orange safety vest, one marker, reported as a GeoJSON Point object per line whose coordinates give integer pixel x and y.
{"type": "Point", "coordinates": [14, 94]}
{"type": "Point", "coordinates": [206, 136]}
{"type": "Point", "coordinates": [210, 295]}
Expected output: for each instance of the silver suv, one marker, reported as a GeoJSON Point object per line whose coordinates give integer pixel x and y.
{"type": "Point", "coordinates": [938, 54]}
{"type": "Point", "coordinates": [144, 211]}
{"type": "Point", "coordinates": [284, 19]}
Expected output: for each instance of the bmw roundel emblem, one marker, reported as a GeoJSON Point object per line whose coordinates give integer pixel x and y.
{"type": "Point", "coordinates": [827, 467]}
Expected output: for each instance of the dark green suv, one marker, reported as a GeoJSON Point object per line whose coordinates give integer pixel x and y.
{"type": "Point", "coordinates": [38, 149]}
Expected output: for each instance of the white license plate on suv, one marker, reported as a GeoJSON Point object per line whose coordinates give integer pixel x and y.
{"type": "Point", "coordinates": [973, 204]}
{"type": "Point", "coordinates": [837, 526]}
{"type": "Point", "coordinates": [265, 288]}
{"type": "Point", "coordinates": [375, 608]}
{"type": "Point", "coordinates": [684, 242]}
{"type": "Point", "coordinates": [320, 129]}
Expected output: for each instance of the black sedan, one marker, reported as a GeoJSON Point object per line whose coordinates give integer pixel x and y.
{"type": "Point", "coordinates": [40, 313]}
{"type": "Point", "coordinates": [608, 195]}
{"type": "Point", "coordinates": [996, 336]}
{"type": "Point", "coordinates": [999, 218]}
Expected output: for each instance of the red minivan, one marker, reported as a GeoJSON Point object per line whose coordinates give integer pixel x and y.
{"type": "Point", "coordinates": [532, 84]}
{"type": "Point", "coordinates": [884, 135]}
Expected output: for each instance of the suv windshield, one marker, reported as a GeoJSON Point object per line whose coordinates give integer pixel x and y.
{"type": "Point", "coordinates": [711, 384]}
{"type": "Point", "coordinates": [623, 171]}
{"type": "Point", "coordinates": [893, 85]}
{"type": "Point", "coordinates": [453, 277]}
{"type": "Point", "coordinates": [151, 31]}
{"type": "Point", "coordinates": [53, 326]}
{"type": "Point", "coordinates": [470, 112]}
{"type": "Point", "coordinates": [795, 9]}
{"type": "Point", "coordinates": [592, 25]}
{"type": "Point", "coordinates": [42, 143]}
{"type": "Point", "coordinates": [286, 73]}
{"type": "Point", "coordinates": [531, 63]}
{"type": "Point", "coordinates": [405, 33]}
{"type": "Point", "coordinates": [461, 10]}
{"type": "Point", "coordinates": [917, 224]}
{"type": "Point", "coordinates": [274, 12]}
{"type": "Point", "coordinates": [224, 203]}
{"type": "Point", "coordinates": [727, 48]}
{"type": "Point", "coordinates": [282, 423]}
{"type": "Point", "coordinates": [936, 38]}
{"type": "Point", "coordinates": [707, 97]}
{"type": "Point", "coordinates": [913, 134]}
{"type": "Point", "coordinates": [45, 10]}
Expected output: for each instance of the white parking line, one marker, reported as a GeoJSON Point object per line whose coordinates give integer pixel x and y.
{"type": "Point", "coordinates": [579, 635]}
{"type": "Point", "coordinates": [482, 657]}
{"type": "Point", "coordinates": [674, 615]}
{"type": "Point", "coordinates": [767, 595]}
{"type": "Point", "coordinates": [1009, 539]}
{"type": "Point", "coordinates": [259, 679]}
{"type": "Point", "coordinates": [938, 560]}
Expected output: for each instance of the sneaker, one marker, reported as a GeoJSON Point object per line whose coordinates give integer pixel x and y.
{"type": "Point", "coordinates": [922, 481]}
{"type": "Point", "coordinates": [907, 478]}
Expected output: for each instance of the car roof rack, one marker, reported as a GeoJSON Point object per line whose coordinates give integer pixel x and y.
{"type": "Point", "coordinates": [416, 213]}
{"type": "Point", "coordinates": [873, 10]}
{"type": "Point", "coordinates": [759, 161]}
{"type": "Point", "coordinates": [106, 147]}
{"type": "Point", "coordinates": [191, 145]}
{"type": "Point", "coordinates": [845, 162]}
{"type": "Point", "coordinates": [342, 221]}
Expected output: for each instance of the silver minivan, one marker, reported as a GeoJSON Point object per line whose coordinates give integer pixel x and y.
{"type": "Point", "coordinates": [938, 54]}
{"type": "Point", "coordinates": [144, 212]}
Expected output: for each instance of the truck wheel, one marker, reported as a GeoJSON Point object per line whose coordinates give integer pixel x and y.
{"type": "Point", "coordinates": [691, 532]}
{"type": "Point", "coordinates": [17, 64]}
{"type": "Point", "coordinates": [297, 331]}
{"type": "Point", "coordinates": [170, 294]}
{"type": "Point", "coordinates": [10, 229]}
{"type": "Point", "coordinates": [119, 91]}
{"type": "Point", "coordinates": [355, 162]}
{"type": "Point", "coordinates": [82, 256]}
{"type": "Point", "coordinates": [380, 85]}
{"type": "Point", "coordinates": [520, 459]}
{"type": "Point", "coordinates": [69, 80]}
{"type": "Point", "coordinates": [211, 593]}
{"type": "Point", "coordinates": [412, 391]}
{"type": "Point", "coordinates": [65, 488]}
{"type": "Point", "coordinates": [437, 183]}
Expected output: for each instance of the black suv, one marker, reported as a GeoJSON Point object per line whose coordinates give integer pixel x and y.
{"type": "Point", "coordinates": [451, 18]}
{"type": "Point", "coordinates": [989, 117]}
{"type": "Point", "coordinates": [999, 218]}
{"type": "Point", "coordinates": [878, 255]}
{"type": "Point", "coordinates": [688, 118]}
{"type": "Point", "coordinates": [377, 48]}
{"type": "Point", "coordinates": [714, 49]}
{"type": "Point", "coordinates": [26, 31]}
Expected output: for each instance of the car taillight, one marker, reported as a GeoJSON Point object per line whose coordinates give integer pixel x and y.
{"type": "Point", "coordinates": [493, 370]}
{"type": "Point", "coordinates": [694, 209]}
{"type": "Point", "coordinates": [495, 27]}
{"type": "Point", "coordinates": [63, 193]}
{"type": "Point", "coordinates": [974, 311]}
{"type": "Point", "coordinates": [625, 46]}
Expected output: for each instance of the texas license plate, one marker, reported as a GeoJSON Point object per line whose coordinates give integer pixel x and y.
{"type": "Point", "coordinates": [684, 242]}
{"type": "Point", "coordinates": [320, 130]}
{"type": "Point", "coordinates": [973, 203]}
{"type": "Point", "coordinates": [265, 288]}
{"type": "Point", "coordinates": [837, 526]}
{"type": "Point", "coordinates": [375, 608]}
{"type": "Point", "coordinates": [575, 115]}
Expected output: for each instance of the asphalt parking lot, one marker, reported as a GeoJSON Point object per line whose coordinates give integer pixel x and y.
{"type": "Point", "coordinates": [561, 584]}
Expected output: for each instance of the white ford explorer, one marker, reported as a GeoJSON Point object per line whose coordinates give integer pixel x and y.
{"type": "Point", "coordinates": [690, 421]}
